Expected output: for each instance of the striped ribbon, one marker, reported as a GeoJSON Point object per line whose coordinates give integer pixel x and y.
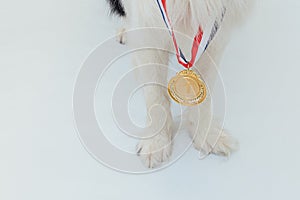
{"type": "Point", "coordinates": [201, 40]}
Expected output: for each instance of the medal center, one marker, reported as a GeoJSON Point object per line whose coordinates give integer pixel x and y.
{"type": "Point", "coordinates": [187, 87]}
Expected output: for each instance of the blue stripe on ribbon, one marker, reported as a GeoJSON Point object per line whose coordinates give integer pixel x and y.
{"type": "Point", "coordinates": [164, 18]}
{"type": "Point", "coordinates": [182, 56]}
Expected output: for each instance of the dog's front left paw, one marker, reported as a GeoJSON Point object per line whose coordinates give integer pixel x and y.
{"type": "Point", "coordinates": [225, 145]}
{"type": "Point", "coordinates": [155, 151]}
{"type": "Point", "coordinates": [218, 142]}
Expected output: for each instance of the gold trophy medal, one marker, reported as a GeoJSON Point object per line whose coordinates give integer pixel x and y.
{"type": "Point", "coordinates": [187, 88]}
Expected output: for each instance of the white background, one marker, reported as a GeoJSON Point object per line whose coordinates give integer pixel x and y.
{"type": "Point", "coordinates": [42, 46]}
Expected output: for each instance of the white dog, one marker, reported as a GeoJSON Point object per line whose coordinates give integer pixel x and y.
{"type": "Point", "coordinates": [186, 17]}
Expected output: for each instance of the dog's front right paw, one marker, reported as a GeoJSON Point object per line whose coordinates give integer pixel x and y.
{"type": "Point", "coordinates": [155, 151]}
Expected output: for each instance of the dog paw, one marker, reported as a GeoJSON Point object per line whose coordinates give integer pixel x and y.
{"type": "Point", "coordinates": [121, 37]}
{"type": "Point", "coordinates": [225, 145]}
{"type": "Point", "coordinates": [219, 143]}
{"type": "Point", "coordinates": [155, 151]}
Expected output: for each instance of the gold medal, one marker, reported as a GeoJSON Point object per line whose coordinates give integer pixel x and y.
{"type": "Point", "coordinates": [187, 88]}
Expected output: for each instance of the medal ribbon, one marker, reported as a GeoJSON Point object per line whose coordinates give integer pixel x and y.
{"type": "Point", "coordinates": [202, 39]}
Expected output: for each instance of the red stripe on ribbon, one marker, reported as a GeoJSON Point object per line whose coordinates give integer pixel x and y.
{"type": "Point", "coordinates": [196, 43]}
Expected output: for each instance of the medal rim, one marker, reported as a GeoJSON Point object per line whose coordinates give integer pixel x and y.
{"type": "Point", "coordinates": [188, 73]}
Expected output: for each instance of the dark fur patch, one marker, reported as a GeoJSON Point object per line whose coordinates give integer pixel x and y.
{"type": "Point", "coordinates": [117, 7]}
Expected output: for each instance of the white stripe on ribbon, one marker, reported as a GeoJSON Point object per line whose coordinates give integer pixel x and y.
{"type": "Point", "coordinates": [205, 38]}
{"type": "Point", "coordinates": [207, 35]}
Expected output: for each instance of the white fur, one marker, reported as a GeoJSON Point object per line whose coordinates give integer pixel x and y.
{"type": "Point", "coordinates": [186, 16]}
